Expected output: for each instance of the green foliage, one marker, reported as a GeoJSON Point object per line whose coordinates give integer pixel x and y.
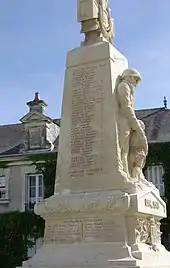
{"type": "Point", "coordinates": [18, 230]}
{"type": "Point", "coordinates": [4, 164]}
{"type": "Point", "coordinates": [46, 164]}
{"type": "Point", "coordinates": [159, 154]}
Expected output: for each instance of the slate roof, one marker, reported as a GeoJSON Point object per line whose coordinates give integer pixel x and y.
{"type": "Point", "coordinates": [12, 136]}
{"type": "Point", "coordinates": [157, 122]}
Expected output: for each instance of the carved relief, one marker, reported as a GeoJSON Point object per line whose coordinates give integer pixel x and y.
{"type": "Point", "coordinates": [131, 134]}
{"type": "Point", "coordinates": [159, 233]}
{"type": "Point", "coordinates": [142, 231]}
{"type": "Point", "coordinates": [148, 231]}
{"type": "Point", "coordinates": [89, 202]}
{"type": "Point", "coordinates": [153, 233]}
{"type": "Point", "coordinates": [96, 21]}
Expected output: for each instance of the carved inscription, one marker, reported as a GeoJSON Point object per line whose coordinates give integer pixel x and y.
{"type": "Point", "coordinates": [79, 230]}
{"type": "Point", "coordinates": [99, 229]}
{"type": "Point", "coordinates": [69, 230]}
{"type": "Point", "coordinates": [87, 108]}
{"type": "Point", "coordinates": [49, 233]}
{"type": "Point", "coordinates": [151, 204]}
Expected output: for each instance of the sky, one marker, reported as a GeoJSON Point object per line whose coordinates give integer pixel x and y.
{"type": "Point", "coordinates": [35, 36]}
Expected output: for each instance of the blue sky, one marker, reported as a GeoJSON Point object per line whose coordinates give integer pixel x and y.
{"type": "Point", "coordinates": [36, 35]}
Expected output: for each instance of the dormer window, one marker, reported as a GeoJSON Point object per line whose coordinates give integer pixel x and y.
{"type": "Point", "coordinates": [40, 132]}
{"type": "Point", "coordinates": [35, 138]}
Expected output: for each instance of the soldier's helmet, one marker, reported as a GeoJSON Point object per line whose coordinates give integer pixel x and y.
{"type": "Point", "coordinates": [131, 72]}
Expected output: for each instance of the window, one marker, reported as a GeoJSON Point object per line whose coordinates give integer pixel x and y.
{"type": "Point", "coordinates": [3, 190]}
{"type": "Point", "coordinates": [34, 190]}
{"type": "Point", "coordinates": [35, 138]}
{"type": "Point", "coordinates": [154, 174]}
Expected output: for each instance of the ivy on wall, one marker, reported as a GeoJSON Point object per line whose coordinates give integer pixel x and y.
{"type": "Point", "coordinates": [46, 165]}
{"type": "Point", "coordinates": [4, 164]}
{"type": "Point", "coordinates": [159, 154]}
{"type": "Point", "coordinates": [20, 230]}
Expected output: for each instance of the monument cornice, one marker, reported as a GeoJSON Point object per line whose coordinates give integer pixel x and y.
{"type": "Point", "coordinates": [102, 201]}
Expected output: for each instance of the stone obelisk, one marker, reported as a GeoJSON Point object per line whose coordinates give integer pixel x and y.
{"type": "Point", "coordinates": [98, 215]}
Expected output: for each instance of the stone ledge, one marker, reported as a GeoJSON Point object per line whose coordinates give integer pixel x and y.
{"type": "Point", "coordinates": [103, 201]}
{"type": "Point", "coordinates": [4, 201]}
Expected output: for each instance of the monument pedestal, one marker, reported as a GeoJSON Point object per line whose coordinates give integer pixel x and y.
{"type": "Point", "coordinates": [101, 229]}
{"type": "Point", "coordinates": [97, 216]}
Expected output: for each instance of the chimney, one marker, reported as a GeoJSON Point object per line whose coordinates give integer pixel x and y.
{"type": "Point", "coordinates": [165, 102]}
{"type": "Point", "coordinates": [37, 104]}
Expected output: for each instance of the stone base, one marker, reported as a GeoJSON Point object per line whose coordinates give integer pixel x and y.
{"type": "Point", "coordinates": [96, 255]}
{"type": "Point", "coordinates": [102, 229]}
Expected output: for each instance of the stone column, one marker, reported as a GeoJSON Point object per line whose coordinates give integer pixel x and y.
{"type": "Point", "coordinates": [89, 156]}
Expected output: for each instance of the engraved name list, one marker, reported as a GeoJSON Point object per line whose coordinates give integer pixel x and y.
{"type": "Point", "coordinates": [86, 121]}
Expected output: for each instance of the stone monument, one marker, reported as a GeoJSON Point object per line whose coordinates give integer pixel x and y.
{"type": "Point", "coordinates": [103, 213]}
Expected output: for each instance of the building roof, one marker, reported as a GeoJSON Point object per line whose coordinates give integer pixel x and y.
{"type": "Point", "coordinates": [10, 135]}
{"type": "Point", "coordinates": [157, 123]}
{"type": "Point", "coordinates": [11, 139]}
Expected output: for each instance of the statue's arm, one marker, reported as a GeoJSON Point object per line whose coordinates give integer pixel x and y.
{"type": "Point", "coordinates": [126, 107]}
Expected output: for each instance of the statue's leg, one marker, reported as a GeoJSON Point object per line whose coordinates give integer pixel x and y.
{"type": "Point", "coordinates": [125, 152]}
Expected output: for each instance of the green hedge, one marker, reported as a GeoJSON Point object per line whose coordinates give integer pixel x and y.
{"type": "Point", "coordinates": [17, 231]}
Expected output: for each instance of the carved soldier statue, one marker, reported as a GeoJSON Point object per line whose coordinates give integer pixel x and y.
{"type": "Point", "coordinates": [127, 121]}
{"type": "Point", "coordinates": [96, 21]}
{"type": "Point", "coordinates": [137, 154]}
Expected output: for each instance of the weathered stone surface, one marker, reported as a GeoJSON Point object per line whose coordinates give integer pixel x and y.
{"type": "Point", "coordinates": [105, 201]}
{"type": "Point", "coordinates": [88, 156]}
{"type": "Point", "coordinates": [96, 21]}
{"type": "Point", "coordinates": [148, 203]}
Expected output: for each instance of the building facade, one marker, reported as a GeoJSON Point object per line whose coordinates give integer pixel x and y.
{"type": "Point", "coordinates": [20, 185]}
